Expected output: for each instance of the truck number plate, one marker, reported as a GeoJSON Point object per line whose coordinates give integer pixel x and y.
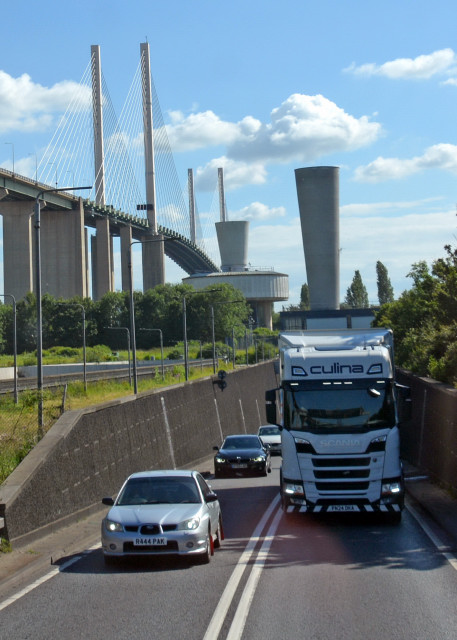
{"type": "Point", "coordinates": [343, 507]}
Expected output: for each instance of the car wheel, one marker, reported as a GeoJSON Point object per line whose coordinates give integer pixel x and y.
{"type": "Point", "coordinates": [110, 560]}
{"type": "Point", "coordinates": [205, 557]}
{"type": "Point", "coordinates": [219, 534]}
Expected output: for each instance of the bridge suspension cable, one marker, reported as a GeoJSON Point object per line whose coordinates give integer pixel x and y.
{"type": "Point", "coordinates": [69, 159]}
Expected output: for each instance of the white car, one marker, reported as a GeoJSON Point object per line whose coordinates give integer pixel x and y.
{"type": "Point", "coordinates": [163, 512]}
{"type": "Point", "coordinates": [271, 435]}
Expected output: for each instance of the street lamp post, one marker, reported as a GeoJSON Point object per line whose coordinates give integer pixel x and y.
{"type": "Point", "coordinates": [12, 146]}
{"type": "Point", "coordinates": [213, 334]}
{"type": "Point", "coordinates": [213, 339]}
{"type": "Point", "coordinates": [83, 311]}
{"type": "Point", "coordinates": [126, 329]}
{"type": "Point", "coordinates": [9, 295]}
{"type": "Point", "coordinates": [184, 322]}
{"type": "Point", "coordinates": [161, 348]}
{"type": "Point", "coordinates": [39, 320]}
{"type": "Point", "coordinates": [36, 165]}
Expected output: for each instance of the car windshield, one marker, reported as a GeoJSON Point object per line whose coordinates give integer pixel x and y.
{"type": "Point", "coordinates": [159, 490]}
{"type": "Point", "coordinates": [269, 431]}
{"type": "Point", "coordinates": [242, 442]}
{"type": "Point", "coordinates": [355, 405]}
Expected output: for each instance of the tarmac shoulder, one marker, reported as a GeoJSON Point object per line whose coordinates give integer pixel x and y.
{"type": "Point", "coordinates": [439, 504]}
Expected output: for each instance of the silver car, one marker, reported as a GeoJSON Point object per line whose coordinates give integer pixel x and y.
{"type": "Point", "coordinates": [271, 435]}
{"type": "Point", "coordinates": [163, 512]}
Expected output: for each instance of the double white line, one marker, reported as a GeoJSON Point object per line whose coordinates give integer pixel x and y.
{"type": "Point", "coordinates": [241, 614]}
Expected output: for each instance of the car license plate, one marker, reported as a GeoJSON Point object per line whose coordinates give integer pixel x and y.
{"type": "Point", "coordinates": [150, 542]}
{"type": "Point", "coordinates": [343, 507]}
{"type": "Point", "coordinates": [239, 466]}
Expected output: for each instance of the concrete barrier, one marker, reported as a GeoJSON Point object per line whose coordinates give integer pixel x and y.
{"type": "Point", "coordinates": [87, 454]}
{"type": "Point", "coordinates": [429, 439]}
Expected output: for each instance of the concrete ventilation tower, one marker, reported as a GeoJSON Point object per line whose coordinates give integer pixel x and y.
{"type": "Point", "coordinates": [318, 202]}
{"type": "Point", "coordinates": [261, 286]}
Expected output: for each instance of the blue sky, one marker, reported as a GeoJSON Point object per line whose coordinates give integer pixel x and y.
{"type": "Point", "coordinates": [262, 88]}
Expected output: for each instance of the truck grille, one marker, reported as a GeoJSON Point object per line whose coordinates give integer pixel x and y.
{"type": "Point", "coordinates": [341, 462]}
{"type": "Point", "coordinates": [342, 486]}
{"type": "Point", "coordinates": [342, 473]}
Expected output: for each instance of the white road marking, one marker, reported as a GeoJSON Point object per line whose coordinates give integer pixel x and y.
{"type": "Point", "coordinates": [214, 627]}
{"type": "Point", "coordinates": [436, 541]}
{"type": "Point", "coordinates": [239, 621]}
{"type": "Point", "coordinates": [45, 578]}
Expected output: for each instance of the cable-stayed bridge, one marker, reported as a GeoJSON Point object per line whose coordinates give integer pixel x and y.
{"type": "Point", "coordinates": [135, 195]}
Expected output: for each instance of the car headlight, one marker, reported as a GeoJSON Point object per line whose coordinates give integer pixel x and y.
{"type": "Point", "coordinates": [112, 526]}
{"type": "Point", "coordinates": [258, 459]}
{"type": "Point", "coordinates": [219, 459]}
{"type": "Point", "coordinates": [190, 524]}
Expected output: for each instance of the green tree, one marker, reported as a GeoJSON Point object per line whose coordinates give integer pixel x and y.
{"type": "Point", "coordinates": [304, 297]}
{"type": "Point", "coordinates": [385, 289]}
{"type": "Point", "coordinates": [357, 295]}
{"type": "Point", "coordinates": [424, 320]}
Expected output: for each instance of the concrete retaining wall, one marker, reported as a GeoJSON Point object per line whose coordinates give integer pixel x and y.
{"type": "Point", "coordinates": [88, 454]}
{"type": "Point", "coordinates": [429, 440]}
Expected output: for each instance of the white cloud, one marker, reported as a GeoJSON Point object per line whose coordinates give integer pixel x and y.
{"type": "Point", "coordinates": [258, 211]}
{"type": "Point", "coordinates": [439, 156]}
{"type": "Point", "coordinates": [398, 243]}
{"type": "Point", "coordinates": [29, 107]}
{"type": "Point", "coordinates": [302, 129]}
{"type": "Point", "coordinates": [377, 208]}
{"type": "Point", "coordinates": [422, 67]}
{"type": "Point", "coordinates": [236, 174]}
{"type": "Point", "coordinates": [199, 130]}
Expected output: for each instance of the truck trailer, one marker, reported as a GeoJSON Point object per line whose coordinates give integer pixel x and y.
{"type": "Point", "coordinates": [339, 408]}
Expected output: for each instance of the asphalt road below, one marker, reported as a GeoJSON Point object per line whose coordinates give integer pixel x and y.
{"type": "Point", "coordinates": [276, 576]}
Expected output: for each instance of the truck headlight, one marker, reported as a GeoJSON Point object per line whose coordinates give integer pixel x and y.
{"type": "Point", "coordinates": [391, 488]}
{"type": "Point", "coordinates": [293, 489]}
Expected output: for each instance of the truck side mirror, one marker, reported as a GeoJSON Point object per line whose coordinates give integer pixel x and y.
{"type": "Point", "coordinates": [404, 403]}
{"type": "Point", "coordinates": [270, 406]}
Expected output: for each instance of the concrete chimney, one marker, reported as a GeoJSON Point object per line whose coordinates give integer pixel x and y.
{"type": "Point", "coordinates": [318, 203]}
{"type": "Point", "coordinates": [232, 237]}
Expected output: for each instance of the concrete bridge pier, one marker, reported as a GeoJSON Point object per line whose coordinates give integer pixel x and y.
{"type": "Point", "coordinates": [101, 249]}
{"type": "Point", "coordinates": [63, 253]}
{"type": "Point", "coordinates": [63, 250]}
{"type": "Point", "coordinates": [18, 272]}
{"type": "Point", "coordinates": [153, 261]}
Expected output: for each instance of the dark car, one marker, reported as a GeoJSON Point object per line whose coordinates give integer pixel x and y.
{"type": "Point", "coordinates": [242, 454]}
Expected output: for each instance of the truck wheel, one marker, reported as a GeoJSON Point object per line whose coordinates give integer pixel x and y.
{"type": "Point", "coordinates": [285, 502]}
{"type": "Point", "coordinates": [394, 517]}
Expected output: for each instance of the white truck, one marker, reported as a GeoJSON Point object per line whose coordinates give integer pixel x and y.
{"type": "Point", "coordinates": [338, 413]}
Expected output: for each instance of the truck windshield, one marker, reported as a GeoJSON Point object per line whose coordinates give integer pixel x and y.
{"type": "Point", "coordinates": [349, 405]}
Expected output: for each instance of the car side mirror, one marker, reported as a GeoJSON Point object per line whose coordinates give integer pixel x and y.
{"type": "Point", "coordinates": [211, 497]}
{"type": "Point", "coordinates": [108, 501]}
